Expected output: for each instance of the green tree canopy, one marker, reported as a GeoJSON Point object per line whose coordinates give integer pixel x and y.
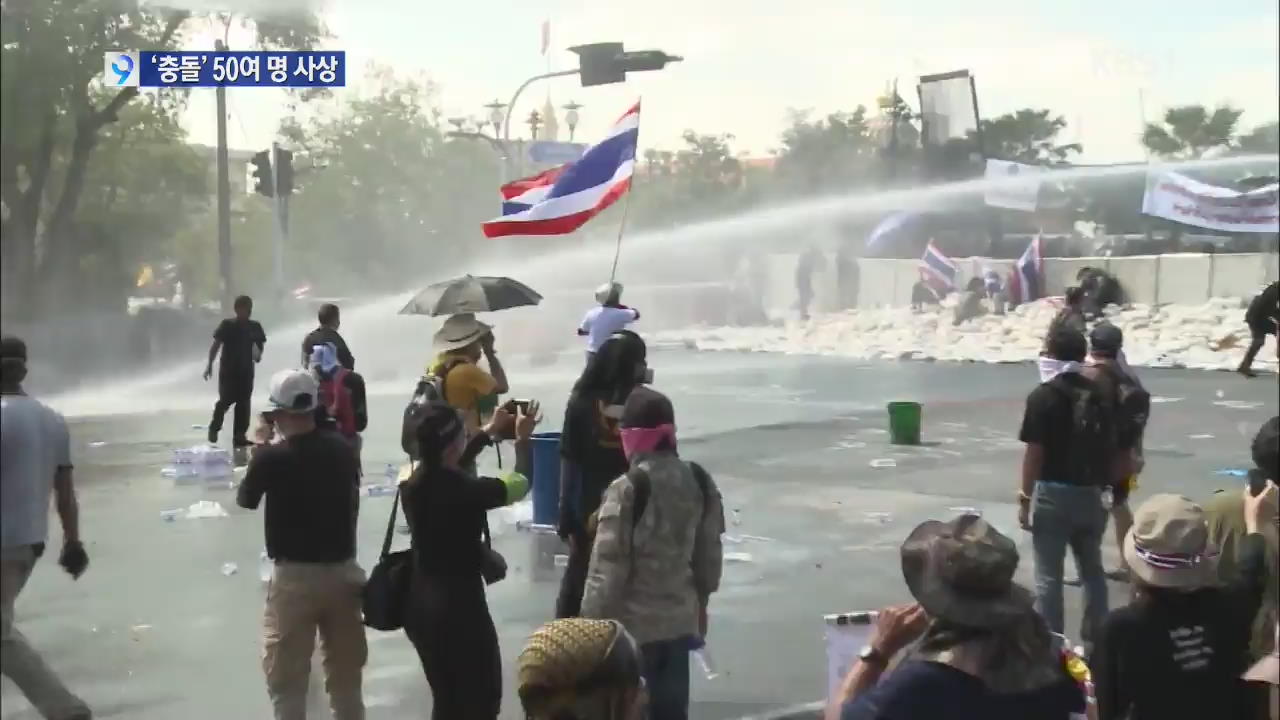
{"type": "Point", "coordinates": [1188, 131]}
{"type": "Point", "coordinates": [53, 115]}
{"type": "Point", "coordinates": [1027, 136]}
{"type": "Point", "coordinates": [1262, 139]}
{"type": "Point", "coordinates": [831, 153]}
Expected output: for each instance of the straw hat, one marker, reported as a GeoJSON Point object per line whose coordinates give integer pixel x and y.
{"type": "Point", "coordinates": [1168, 545]}
{"type": "Point", "coordinates": [962, 571]}
{"type": "Point", "coordinates": [459, 331]}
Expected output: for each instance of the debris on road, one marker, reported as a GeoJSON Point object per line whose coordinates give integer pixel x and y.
{"type": "Point", "coordinates": [1232, 472]}
{"type": "Point", "coordinates": [98, 443]}
{"type": "Point", "coordinates": [738, 557]}
{"type": "Point", "coordinates": [230, 569]}
{"type": "Point", "coordinates": [205, 509]}
{"type": "Point", "coordinates": [884, 463]}
{"type": "Point", "coordinates": [1201, 436]}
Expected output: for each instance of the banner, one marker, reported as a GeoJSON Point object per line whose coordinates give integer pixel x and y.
{"type": "Point", "coordinates": [1012, 185]}
{"type": "Point", "coordinates": [1178, 197]}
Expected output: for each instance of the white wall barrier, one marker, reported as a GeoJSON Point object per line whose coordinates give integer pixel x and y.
{"type": "Point", "coordinates": [1189, 278]}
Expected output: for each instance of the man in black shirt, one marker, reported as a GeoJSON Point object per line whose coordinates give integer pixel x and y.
{"type": "Point", "coordinates": [1067, 431]}
{"type": "Point", "coordinates": [241, 341]}
{"type": "Point", "coordinates": [311, 482]}
{"type": "Point", "coordinates": [1262, 318]}
{"type": "Point", "coordinates": [330, 319]}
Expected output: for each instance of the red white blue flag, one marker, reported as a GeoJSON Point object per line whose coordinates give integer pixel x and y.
{"type": "Point", "coordinates": [1027, 281]}
{"type": "Point", "coordinates": [561, 200]}
{"type": "Point", "coordinates": [937, 270]}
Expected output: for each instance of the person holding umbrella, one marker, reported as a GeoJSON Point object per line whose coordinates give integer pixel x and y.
{"type": "Point", "coordinates": [460, 343]}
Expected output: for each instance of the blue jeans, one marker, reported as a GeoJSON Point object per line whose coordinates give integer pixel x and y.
{"type": "Point", "coordinates": [1072, 516]}
{"type": "Point", "coordinates": [666, 674]}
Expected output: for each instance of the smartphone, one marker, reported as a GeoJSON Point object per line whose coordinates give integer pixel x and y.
{"type": "Point", "coordinates": [1257, 482]}
{"type": "Point", "coordinates": [517, 406]}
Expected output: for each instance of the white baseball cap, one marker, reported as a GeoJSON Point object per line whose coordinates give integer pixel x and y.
{"type": "Point", "coordinates": [294, 391]}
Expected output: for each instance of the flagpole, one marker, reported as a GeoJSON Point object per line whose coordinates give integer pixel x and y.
{"type": "Point", "coordinates": [626, 205]}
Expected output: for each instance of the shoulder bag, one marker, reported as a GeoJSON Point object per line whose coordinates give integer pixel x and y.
{"type": "Point", "coordinates": [386, 592]}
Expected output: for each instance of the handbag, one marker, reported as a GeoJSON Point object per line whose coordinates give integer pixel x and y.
{"type": "Point", "coordinates": [387, 590]}
{"type": "Point", "coordinates": [493, 567]}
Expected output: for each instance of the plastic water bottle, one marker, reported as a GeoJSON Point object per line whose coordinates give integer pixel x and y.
{"type": "Point", "coordinates": [265, 566]}
{"type": "Point", "coordinates": [391, 473]}
{"type": "Point", "coordinates": [703, 658]}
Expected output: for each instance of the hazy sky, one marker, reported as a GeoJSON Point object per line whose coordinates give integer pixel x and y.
{"type": "Point", "coordinates": [747, 61]}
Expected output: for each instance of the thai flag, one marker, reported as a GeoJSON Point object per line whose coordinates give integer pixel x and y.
{"type": "Point", "coordinates": [561, 200]}
{"type": "Point", "coordinates": [1027, 280]}
{"type": "Point", "coordinates": [937, 270]}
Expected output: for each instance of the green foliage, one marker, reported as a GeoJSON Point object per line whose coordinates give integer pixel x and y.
{"type": "Point", "coordinates": [1027, 136]}
{"type": "Point", "coordinates": [1262, 139]}
{"type": "Point", "coordinates": [1189, 131]}
{"type": "Point", "coordinates": [830, 153]}
{"type": "Point", "coordinates": [88, 175]}
{"type": "Point", "coordinates": [389, 197]}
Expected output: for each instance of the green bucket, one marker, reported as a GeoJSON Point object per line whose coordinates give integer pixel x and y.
{"type": "Point", "coordinates": [904, 423]}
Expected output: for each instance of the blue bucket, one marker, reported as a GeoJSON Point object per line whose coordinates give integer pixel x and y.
{"type": "Point", "coordinates": [546, 478]}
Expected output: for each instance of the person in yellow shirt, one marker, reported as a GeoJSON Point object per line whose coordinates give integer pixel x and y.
{"type": "Point", "coordinates": [459, 344]}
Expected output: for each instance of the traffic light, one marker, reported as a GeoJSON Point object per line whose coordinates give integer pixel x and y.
{"type": "Point", "coordinates": [606, 63]}
{"type": "Point", "coordinates": [284, 168]}
{"type": "Point", "coordinates": [263, 184]}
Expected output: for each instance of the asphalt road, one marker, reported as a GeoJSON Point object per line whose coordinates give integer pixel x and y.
{"type": "Point", "coordinates": [155, 630]}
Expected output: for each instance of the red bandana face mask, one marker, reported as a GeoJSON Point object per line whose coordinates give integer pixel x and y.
{"type": "Point", "coordinates": [643, 440]}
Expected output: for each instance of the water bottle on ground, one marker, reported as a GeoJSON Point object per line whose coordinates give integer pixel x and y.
{"type": "Point", "coordinates": [265, 566]}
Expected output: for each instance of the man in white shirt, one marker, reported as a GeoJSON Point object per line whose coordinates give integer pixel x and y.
{"type": "Point", "coordinates": [35, 461]}
{"type": "Point", "coordinates": [607, 318]}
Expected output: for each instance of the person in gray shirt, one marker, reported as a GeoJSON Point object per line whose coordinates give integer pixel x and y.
{"type": "Point", "coordinates": [35, 461]}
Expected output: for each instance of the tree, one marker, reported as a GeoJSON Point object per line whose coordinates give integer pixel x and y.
{"type": "Point", "coordinates": [1264, 139]}
{"type": "Point", "coordinates": [1190, 130]}
{"type": "Point", "coordinates": [54, 112]}
{"type": "Point", "coordinates": [703, 179]}
{"type": "Point", "coordinates": [831, 153]}
{"type": "Point", "coordinates": [390, 197]}
{"type": "Point", "coordinates": [1027, 136]}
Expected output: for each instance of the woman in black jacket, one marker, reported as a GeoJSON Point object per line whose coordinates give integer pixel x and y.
{"type": "Point", "coordinates": [447, 618]}
{"type": "Point", "coordinates": [591, 454]}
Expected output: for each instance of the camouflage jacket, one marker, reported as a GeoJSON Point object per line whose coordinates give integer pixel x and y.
{"type": "Point", "coordinates": [652, 574]}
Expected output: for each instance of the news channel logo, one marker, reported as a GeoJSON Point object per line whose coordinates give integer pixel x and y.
{"type": "Point", "coordinates": [121, 68]}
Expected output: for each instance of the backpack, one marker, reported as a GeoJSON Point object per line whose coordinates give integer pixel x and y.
{"type": "Point", "coordinates": [1132, 406]}
{"type": "Point", "coordinates": [644, 488]}
{"type": "Point", "coordinates": [336, 399]}
{"type": "Point", "coordinates": [1092, 429]}
{"type": "Point", "coordinates": [427, 396]}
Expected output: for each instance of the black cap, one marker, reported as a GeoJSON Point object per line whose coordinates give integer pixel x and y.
{"type": "Point", "coordinates": [1106, 339]}
{"type": "Point", "coordinates": [11, 346]}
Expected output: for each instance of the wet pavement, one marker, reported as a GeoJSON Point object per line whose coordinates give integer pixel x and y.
{"type": "Point", "coordinates": [155, 629]}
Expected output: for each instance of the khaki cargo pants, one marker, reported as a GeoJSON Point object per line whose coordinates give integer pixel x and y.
{"type": "Point", "coordinates": [18, 660]}
{"type": "Point", "coordinates": [304, 598]}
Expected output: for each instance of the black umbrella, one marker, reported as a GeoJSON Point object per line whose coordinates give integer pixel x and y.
{"type": "Point", "coordinates": [469, 294]}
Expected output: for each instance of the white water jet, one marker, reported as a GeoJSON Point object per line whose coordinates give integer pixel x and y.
{"type": "Point", "coordinates": [666, 267]}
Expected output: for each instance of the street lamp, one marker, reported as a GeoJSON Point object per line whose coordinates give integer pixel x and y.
{"type": "Point", "coordinates": [535, 121]}
{"type": "Point", "coordinates": [458, 123]}
{"type": "Point", "coordinates": [571, 117]}
{"type": "Point", "coordinates": [496, 115]}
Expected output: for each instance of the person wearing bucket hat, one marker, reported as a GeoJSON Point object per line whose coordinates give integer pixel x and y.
{"type": "Point", "coordinates": [1178, 651]}
{"type": "Point", "coordinates": [311, 482]}
{"type": "Point", "coordinates": [983, 652]}
{"type": "Point", "coordinates": [459, 344]}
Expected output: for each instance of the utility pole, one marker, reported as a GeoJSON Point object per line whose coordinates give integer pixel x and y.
{"type": "Point", "coordinates": [224, 195]}
{"type": "Point", "coordinates": [278, 254]}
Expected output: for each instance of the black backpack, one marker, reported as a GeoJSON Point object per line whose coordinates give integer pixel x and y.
{"type": "Point", "coordinates": [644, 488]}
{"type": "Point", "coordinates": [1132, 406]}
{"type": "Point", "coordinates": [1092, 426]}
{"type": "Point", "coordinates": [428, 396]}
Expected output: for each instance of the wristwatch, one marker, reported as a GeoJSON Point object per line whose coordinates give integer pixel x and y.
{"type": "Point", "coordinates": [869, 654]}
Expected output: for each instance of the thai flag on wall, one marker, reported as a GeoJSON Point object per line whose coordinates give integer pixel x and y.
{"type": "Point", "coordinates": [562, 199]}
{"type": "Point", "coordinates": [937, 270]}
{"type": "Point", "coordinates": [1027, 279]}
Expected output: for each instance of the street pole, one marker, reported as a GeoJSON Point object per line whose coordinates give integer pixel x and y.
{"type": "Point", "coordinates": [506, 122]}
{"type": "Point", "coordinates": [224, 196]}
{"type": "Point", "coordinates": [278, 248]}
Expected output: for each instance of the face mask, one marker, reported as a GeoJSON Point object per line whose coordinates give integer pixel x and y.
{"type": "Point", "coordinates": [643, 440]}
